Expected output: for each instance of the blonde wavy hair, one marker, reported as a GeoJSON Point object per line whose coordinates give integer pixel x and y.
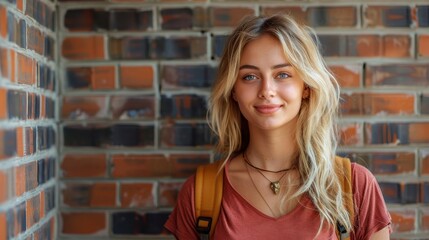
{"type": "Point", "coordinates": [316, 134]}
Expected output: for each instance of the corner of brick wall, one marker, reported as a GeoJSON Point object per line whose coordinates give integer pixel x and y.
{"type": "Point", "coordinates": [28, 154]}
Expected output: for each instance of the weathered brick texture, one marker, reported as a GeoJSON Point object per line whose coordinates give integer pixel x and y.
{"type": "Point", "coordinates": [131, 85]}
{"type": "Point", "coordinates": [144, 97]}
{"type": "Point", "coordinates": [28, 125]}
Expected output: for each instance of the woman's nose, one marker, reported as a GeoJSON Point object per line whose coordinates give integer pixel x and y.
{"type": "Point", "coordinates": [267, 89]}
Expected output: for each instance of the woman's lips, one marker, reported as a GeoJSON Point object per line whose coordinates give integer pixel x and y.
{"type": "Point", "coordinates": [266, 109]}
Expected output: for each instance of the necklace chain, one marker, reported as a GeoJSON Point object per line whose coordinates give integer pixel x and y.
{"type": "Point", "coordinates": [262, 169]}
{"type": "Point", "coordinates": [260, 194]}
{"type": "Point", "coordinates": [274, 185]}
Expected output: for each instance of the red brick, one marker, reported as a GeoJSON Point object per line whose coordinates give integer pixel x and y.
{"type": "Point", "coordinates": [103, 195]}
{"type": "Point", "coordinates": [168, 193]}
{"type": "Point", "coordinates": [35, 40]}
{"type": "Point", "coordinates": [137, 195]}
{"type": "Point", "coordinates": [403, 221]}
{"type": "Point", "coordinates": [337, 16]}
{"type": "Point", "coordinates": [31, 176]}
{"type": "Point", "coordinates": [347, 75]}
{"type": "Point", "coordinates": [184, 165]}
{"type": "Point", "coordinates": [298, 13]}
{"type": "Point", "coordinates": [84, 107]}
{"type": "Point", "coordinates": [351, 104]}
{"type": "Point", "coordinates": [80, 19]}
{"type": "Point", "coordinates": [29, 135]}
{"type": "Point", "coordinates": [380, 104]}
{"type": "Point", "coordinates": [129, 166]}
{"type": "Point", "coordinates": [424, 156]}
{"type": "Point", "coordinates": [3, 103]}
{"type": "Point", "coordinates": [366, 45]}
{"type": "Point", "coordinates": [418, 133]}
{"type": "Point", "coordinates": [89, 195]}
{"type": "Point", "coordinates": [19, 222]}
{"type": "Point", "coordinates": [177, 18]}
{"type": "Point", "coordinates": [4, 186]}
{"type": "Point", "coordinates": [133, 107]}
{"type": "Point", "coordinates": [423, 45]}
{"type": "Point", "coordinates": [53, 227]}
{"type": "Point", "coordinates": [13, 66]}
{"type": "Point", "coordinates": [83, 48]}
{"type": "Point", "coordinates": [25, 144]}
{"type": "Point", "coordinates": [4, 62]}
{"type": "Point", "coordinates": [42, 107]}
{"type": "Point", "coordinates": [20, 180]}
{"type": "Point", "coordinates": [396, 46]}
{"type": "Point", "coordinates": [137, 76]}
{"type": "Point", "coordinates": [404, 162]}
{"type": "Point", "coordinates": [42, 204]}
{"type": "Point", "coordinates": [351, 134]}
{"type": "Point", "coordinates": [3, 22]}
{"type": "Point", "coordinates": [377, 104]}
{"type": "Point", "coordinates": [103, 77]}
{"type": "Point", "coordinates": [20, 141]}
{"type": "Point", "coordinates": [416, 75]}
{"type": "Point", "coordinates": [425, 220]}
{"type": "Point", "coordinates": [3, 226]}
{"type": "Point", "coordinates": [32, 211]}
{"type": "Point", "coordinates": [228, 16]}
{"type": "Point", "coordinates": [387, 163]}
{"type": "Point", "coordinates": [31, 104]}
{"type": "Point", "coordinates": [83, 166]}
{"type": "Point", "coordinates": [84, 223]}
{"type": "Point", "coordinates": [387, 16]}
{"type": "Point", "coordinates": [26, 70]}
{"type": "Point", "coordinates": [20, 5]}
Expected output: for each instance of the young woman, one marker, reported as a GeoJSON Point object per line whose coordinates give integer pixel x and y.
{"type": "Point", "coordinates": [273, 108]}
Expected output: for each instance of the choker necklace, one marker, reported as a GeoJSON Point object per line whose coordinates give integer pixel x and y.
{"type": "Point", "coordinates": [275, 186]}
{"type": "Point", "coordinates": [264, 170]}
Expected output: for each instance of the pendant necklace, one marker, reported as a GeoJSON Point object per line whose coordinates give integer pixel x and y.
{"type": "Point", "coordinates": [274, 185]}
{"type": "Point", "coordinates": [260, 194]}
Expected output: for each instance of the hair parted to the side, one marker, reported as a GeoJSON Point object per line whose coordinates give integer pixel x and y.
{"type": "Point", "coordinates": [316, 133]}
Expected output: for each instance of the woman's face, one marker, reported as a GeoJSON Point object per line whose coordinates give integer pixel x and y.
{"type": "Point", "coordinates": [268, 89]}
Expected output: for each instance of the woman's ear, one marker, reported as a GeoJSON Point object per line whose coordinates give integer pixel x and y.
{"type": "Point", "coordinates": [306, 92]}
{"type": "Point", "coordinates": [233, 95]}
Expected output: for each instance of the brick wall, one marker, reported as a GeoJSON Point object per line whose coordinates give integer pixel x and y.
{"type": "Point", "coordinates": [134, 77]}
{"type": "Point", "coordinates": [135, 80]}
{"type": "Point", "coordinates": [28, 154]}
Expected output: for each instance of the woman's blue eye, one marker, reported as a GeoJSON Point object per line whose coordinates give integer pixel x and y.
{"type": "Point", "coordinates": [249, 77]}
{"type": "Point", "coordinates": [283, 75]}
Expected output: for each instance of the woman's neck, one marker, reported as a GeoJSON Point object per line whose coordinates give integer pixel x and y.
{"type": "Point", "coordinates": [272, 150]}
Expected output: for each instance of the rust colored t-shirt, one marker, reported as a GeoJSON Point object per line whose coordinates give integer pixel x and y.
{"type": "Point", "coordinates": [240, 220]}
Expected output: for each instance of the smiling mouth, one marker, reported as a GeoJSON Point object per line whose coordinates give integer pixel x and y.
{"type": "Point", "coordinates": [266, 109]}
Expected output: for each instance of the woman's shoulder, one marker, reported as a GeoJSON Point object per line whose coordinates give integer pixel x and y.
{"type": "Point", "coordinates": [361, 173]}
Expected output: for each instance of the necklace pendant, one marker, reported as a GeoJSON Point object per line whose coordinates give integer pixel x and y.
{"type": "Point", "coordinates": [275, 187]}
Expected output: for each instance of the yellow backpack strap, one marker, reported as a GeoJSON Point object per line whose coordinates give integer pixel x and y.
{"type": "Point", "coordinates": [344, 173]}
{"type": "Point", "coordinates": [208, 197]}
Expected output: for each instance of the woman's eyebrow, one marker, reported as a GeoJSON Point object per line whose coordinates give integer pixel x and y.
{"type": "Point", "coordinates": [247, 66]}
{"type": "Point", "coordinates": [282, 65]}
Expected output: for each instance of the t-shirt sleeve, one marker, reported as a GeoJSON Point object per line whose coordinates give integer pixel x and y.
{"type": "Point", "coordinates": [181, 222]}
{"type": "Point", "coordinates": [371, 213]}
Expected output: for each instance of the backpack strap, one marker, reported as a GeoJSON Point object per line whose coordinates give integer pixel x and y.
{"type": "Point", "coordinates": [208, 197]}
{"type": "Point", "coordinates": [344, 173]}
